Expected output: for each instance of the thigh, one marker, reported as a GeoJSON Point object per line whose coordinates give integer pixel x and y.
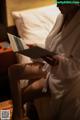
{"type": "Point", "coordinates": [27, 71]}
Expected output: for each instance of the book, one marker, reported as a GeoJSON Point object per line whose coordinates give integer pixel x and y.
{"type": "Point", "coordinates": [16, 43]}
{"type": "Point", "coordinates": [19, 46]}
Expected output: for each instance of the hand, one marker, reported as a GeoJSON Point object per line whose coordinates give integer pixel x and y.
{"type": "Point", "coordinates": [54, 60]}
{"type": "Point", "coordinates": [60, 57]}
{"type": "Point", "coordinates": [50, 60]}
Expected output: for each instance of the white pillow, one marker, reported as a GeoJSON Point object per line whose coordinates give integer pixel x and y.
{"type": "Point", "coordinates": [34, 25]}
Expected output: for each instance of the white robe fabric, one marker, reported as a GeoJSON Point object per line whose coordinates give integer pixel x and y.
{"type": "Point", "coordinates": [64, 79]}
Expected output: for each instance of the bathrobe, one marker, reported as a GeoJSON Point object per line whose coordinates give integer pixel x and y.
{"type": "Point", "coordinates": [64, 79]}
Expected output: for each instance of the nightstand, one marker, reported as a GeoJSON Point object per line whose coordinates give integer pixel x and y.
{"type": "Point", "coordinates": [7, 58]}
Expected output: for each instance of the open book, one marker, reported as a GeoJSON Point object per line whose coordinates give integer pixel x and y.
{"type": "Point", "coordinates": [18, 45]}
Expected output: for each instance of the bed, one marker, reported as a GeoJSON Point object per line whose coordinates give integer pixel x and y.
{"type": "Point", "coordinates": [32, 21]}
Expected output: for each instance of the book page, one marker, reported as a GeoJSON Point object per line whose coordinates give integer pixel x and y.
{"type": "Point", "coordinates": [17, 43]}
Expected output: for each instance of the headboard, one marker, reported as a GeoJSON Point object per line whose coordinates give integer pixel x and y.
{"type": "Point", "coordinates": [7, 6]}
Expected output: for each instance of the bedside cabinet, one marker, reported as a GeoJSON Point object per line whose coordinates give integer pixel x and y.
{"type": "Point", "coordinates": [7, 58]}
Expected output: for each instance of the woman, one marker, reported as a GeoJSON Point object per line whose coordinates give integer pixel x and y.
{"type": "Point", "coordinates": [59, 79]}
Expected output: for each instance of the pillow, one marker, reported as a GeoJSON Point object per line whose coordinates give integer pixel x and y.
{"type": "Point", "coordinates": [34, 25]}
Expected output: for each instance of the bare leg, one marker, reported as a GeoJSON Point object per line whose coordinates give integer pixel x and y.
{"type": "Point", "coordinates": [16, 73]}
{"type": "Point", "coordinates": [27, 71]}
{"type": "Point", "coordinates": [16, 94]}
{"type": "Point", "coordinates": [34, 91]}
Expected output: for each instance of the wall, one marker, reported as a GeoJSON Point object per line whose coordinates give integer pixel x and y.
{"type": "Point", "coordinates": [12, 5]}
